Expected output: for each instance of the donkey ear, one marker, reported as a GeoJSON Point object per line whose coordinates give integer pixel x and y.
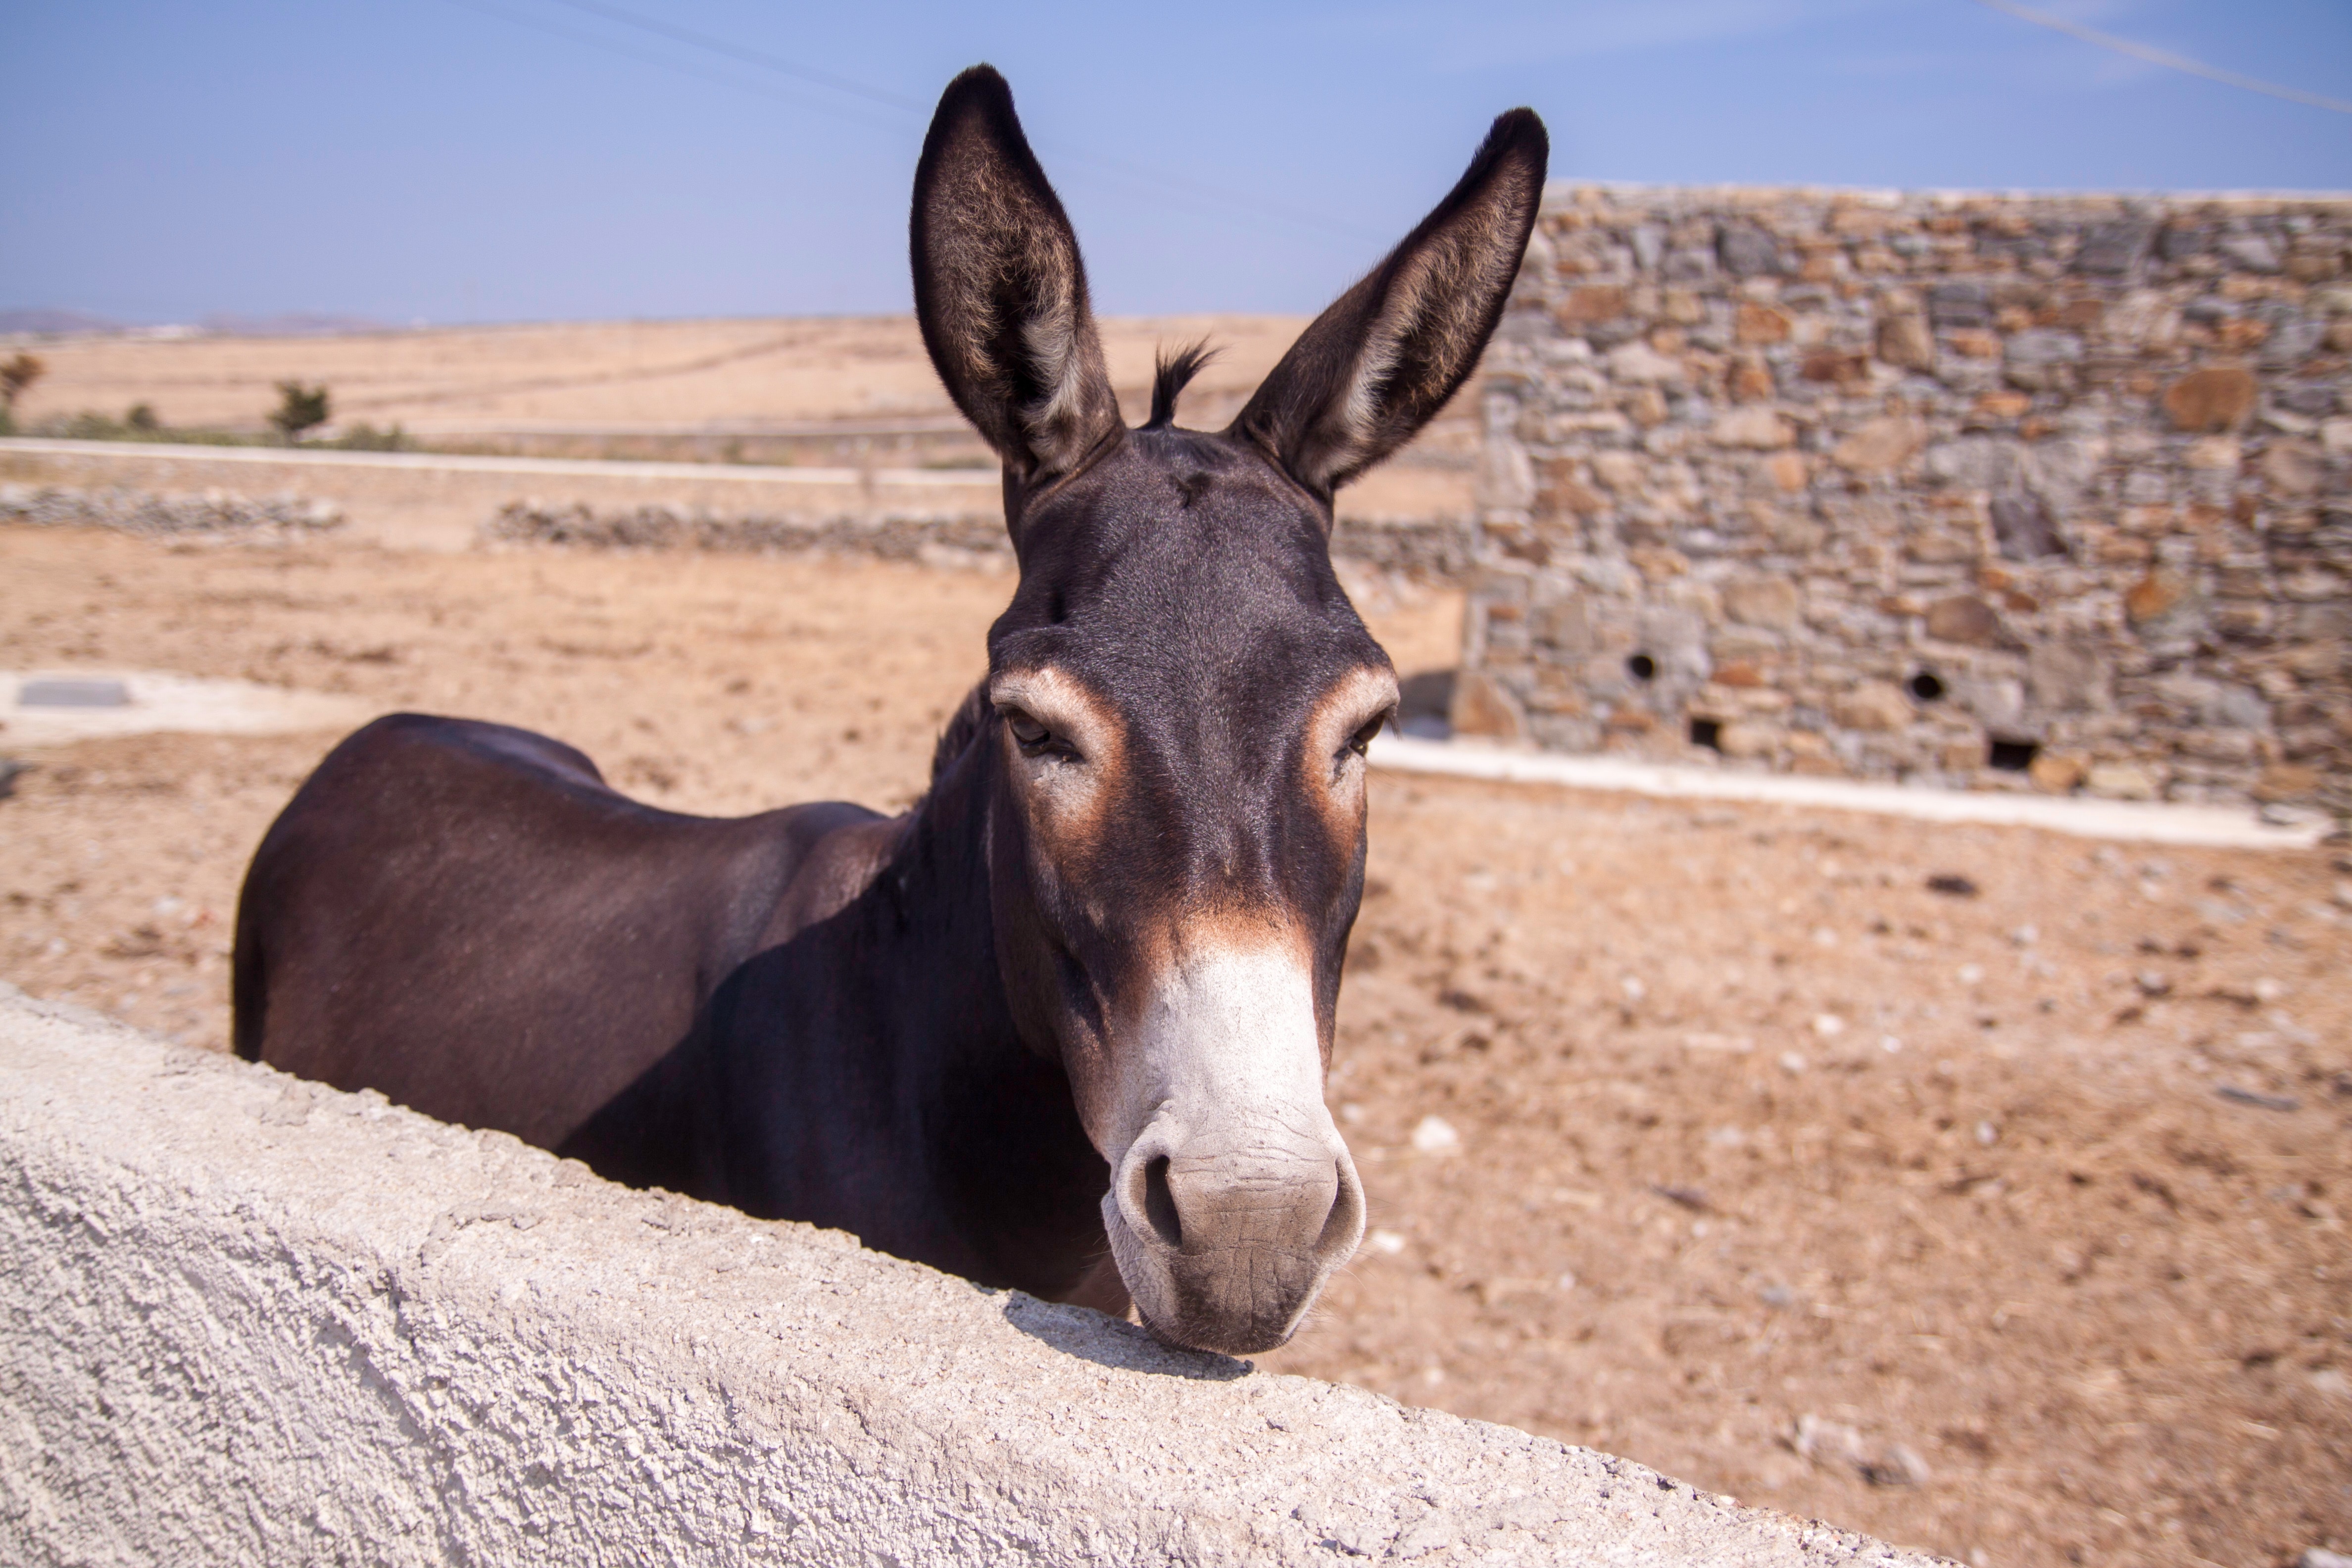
{"type": "Point", "coordinates": [999, 288]}
{"type": "Point", "coordinates": [1379, 364]}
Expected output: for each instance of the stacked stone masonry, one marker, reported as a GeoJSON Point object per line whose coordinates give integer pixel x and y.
{"type": "Point", "coordinates": [2010, 492]}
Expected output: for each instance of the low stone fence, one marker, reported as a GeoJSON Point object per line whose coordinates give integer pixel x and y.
{"type": "Point", "coordinates": [1411, 516]}
{"type": "Point", "coordinates": [1439, 549]}
{"type": "Point", "coordinates": [1418, 525]}
{"type": "Point", "coordinates": [1976, 490]}
{"type": "Point", "coordinates": [210, 512]}
{"type": "Point", "coordinates": [247, 1320]}
{"type": "Point", "coordinates": [937, 538]}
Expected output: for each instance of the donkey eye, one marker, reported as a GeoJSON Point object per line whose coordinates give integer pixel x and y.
{"type": "Point", "coordinates": [1361, 741]}
{"type": "Point", "coordinates": [1033, 739]}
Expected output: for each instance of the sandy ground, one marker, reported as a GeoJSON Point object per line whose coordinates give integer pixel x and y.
{"type": "Point", "coordinates": [1709, 1134]}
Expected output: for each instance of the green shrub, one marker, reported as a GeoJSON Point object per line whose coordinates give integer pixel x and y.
{"type": "Point", "coordinates": [299, 408]}
{"type": "Point", "coordinates": [16, 376]}
{"type": "Point", "coordinates": [366, 438]}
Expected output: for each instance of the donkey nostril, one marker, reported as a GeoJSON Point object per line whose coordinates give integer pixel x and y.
{"type": "Point", "coordinates": [1347, 1213]}
{"type": "Point", "coordinates": [1159, 1204]}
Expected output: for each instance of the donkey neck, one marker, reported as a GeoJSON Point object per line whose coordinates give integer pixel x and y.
{"type": "Point", "coordinates": [926, 1061]}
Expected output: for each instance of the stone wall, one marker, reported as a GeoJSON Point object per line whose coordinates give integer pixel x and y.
{"type": "Point", "coordinates": [1995, 491]}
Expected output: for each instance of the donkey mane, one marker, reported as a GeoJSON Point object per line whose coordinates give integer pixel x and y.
{"type": "Point", "coordinates": [1172, 373]}
{"type": "Point", "coordinates": [963, 728]}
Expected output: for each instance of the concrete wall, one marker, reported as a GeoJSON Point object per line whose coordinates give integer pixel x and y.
{"type": "Point", "coordinates": [2086, 463]}
{"type": "Point", "coordinates": [245, 1319]}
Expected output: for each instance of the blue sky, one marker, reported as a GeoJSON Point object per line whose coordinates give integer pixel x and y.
{"type": "Point", "coordinates": [509, 160]}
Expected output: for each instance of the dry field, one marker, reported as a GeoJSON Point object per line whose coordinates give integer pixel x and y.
{"type": "Point", "coordinates": [741, 375]}
{"type": "Point", "coordinates": [1752, 1156]}
{"type": "Point", "coordinates": [813, 392]}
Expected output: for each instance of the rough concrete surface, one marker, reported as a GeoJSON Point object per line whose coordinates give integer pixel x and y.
{"type": "Point", "coordinates": [250, 1320]}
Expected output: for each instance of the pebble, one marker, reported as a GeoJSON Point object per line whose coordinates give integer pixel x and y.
{"type": "Point", "coordinates": [1899, 1466]}
{"type": "Point", "coordinates": [1830, 1443]}
{"type": "Point", "coordinates": [1387, 1241]}
{"type": "Point", "coordinates": [2320, 1557]}
{"type": "Point", "coordinates": [1435, 1135]}
{"type": "Point", "coordinates": [2256, 1098]}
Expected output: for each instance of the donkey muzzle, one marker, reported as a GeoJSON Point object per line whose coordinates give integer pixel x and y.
{"type": "Point", "coordinates": [1231, 1196]}
{"type": "Point", "coordinates": [1224, 1241]}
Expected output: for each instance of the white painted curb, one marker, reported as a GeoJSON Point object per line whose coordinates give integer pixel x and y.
{"type": "Point", "coordinates": [2219, 826]}
{"type": "Point", "coordinates": [245, 1319]}
{"type": "Point", "coordinates": [572, 467]}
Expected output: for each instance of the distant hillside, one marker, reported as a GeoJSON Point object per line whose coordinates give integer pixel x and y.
{"type": "Point", "coordinates": [61, 322]}
{"type": "Point", "coordinates": [55, 320]}
{"type": "Point", "coordinates": [291, 325]}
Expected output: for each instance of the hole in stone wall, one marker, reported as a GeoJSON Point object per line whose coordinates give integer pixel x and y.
{"type": "Point", "coordinates": [1642, 667]}
{"type": "Point", "coordinates": [1425, 705]}
{"type": "Point", "coordinates": [1708, 732]}
{"type": "Point", "coordinates": [1927, 686]}
{"type": "Point", "coordinates": [2012, 756]}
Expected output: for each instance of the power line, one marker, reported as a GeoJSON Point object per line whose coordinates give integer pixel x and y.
{"type": "Point", "coordinates": [760, 58]}
{"type": "Point", "coordinates": [2166, 57]}
{"type": "Point", "coordinates": [1197, 191]}
{"type": "Point", "coordinates": [645, 57]}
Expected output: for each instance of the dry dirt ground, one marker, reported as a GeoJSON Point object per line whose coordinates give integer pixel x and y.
{"type": "Point", "coordinates": [1709, 1135]}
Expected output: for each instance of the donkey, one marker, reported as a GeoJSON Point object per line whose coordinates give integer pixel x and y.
{"type": "Point", "coordinates": [1064, 1025]}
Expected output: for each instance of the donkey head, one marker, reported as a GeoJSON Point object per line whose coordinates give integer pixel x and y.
{"type": "Point", "coordinates": [1183, 698]}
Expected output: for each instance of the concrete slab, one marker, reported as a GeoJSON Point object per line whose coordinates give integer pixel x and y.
{"type": "Point", "coordinates": [157, 702]}
{"type": "Point", "coordinates": [245, 1318]}
{"type": "Point", "coordinates": [2220, 826]}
